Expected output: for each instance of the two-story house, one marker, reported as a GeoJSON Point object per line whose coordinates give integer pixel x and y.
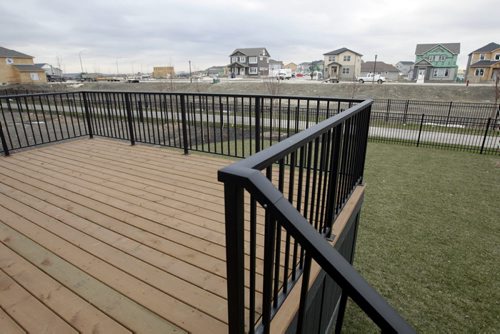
{"type": "Point", "coordinates": [436, 62]}
{"type": "Point", "coordinates": [17, 67]}
{"type": "Point", "coordinates": [249, 61]}
{"type": "Point", "coordinates": [484, 64]}
{"type": "Point", "coordinates": [342, 64]}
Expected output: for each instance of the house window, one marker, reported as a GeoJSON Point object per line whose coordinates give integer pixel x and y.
{"type": "Point", "coordinates": [345, 70]}
{"type": "Point", "coordinates": [497, 56]}
{"type": "Point", "coordinates": [242, 59]}
{"type": "Point", "coordinates": [234, 59]}
{"type": "Point", "coordinates": [34, 76]}
{"type": "Point", "coordinates": [481, 56]}
{"type": "Point", "coordinates": [440, 72]}
{"type": "Point", "coordinates": [347, 58]}
{"type": "Point", "coordinates": [252, 70]}
{"type": "Point", "coordinates": [252, 60]}
{"type": "Point", "coordinates": [331, 58]}
{"type": "Point", "coordinates": [442, 57]}
{"type": "Point", "coordinates": [479, 72]}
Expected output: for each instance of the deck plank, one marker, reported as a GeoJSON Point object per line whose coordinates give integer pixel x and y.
{"type": "Point", "coordinates": [8, 325]}
{"type": "Point", "coordinates": [28, 311]}
{"type": "Point", "coordinates": [76, 311]}
{"type": "Point", "coordinates": [132, 228]}
{"type": "Point", "coordinates": [116, 305]}
{"type": "Point", "coordinates": [150, 297]}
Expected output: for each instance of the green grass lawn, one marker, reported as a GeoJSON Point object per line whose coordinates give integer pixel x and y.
{"type": "Point", "coordinates": [429, 238]}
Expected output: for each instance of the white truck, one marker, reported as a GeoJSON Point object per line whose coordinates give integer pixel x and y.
{"type": "Point", "coordinates": [284, 73]}
{"type": "Point", "coordinates": [370, 77]}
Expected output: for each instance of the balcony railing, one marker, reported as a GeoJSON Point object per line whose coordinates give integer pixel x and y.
{"type": "Point", "coordinates": [305, 158]}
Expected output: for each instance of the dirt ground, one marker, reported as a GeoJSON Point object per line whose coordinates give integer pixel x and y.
{"type": "Point", "coordinates": [446, 93]}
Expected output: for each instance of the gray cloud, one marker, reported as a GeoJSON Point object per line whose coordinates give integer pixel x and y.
{"type": "Point", "coordinates": [141, 34]}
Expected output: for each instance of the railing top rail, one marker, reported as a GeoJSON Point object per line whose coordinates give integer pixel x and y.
{"type": "Point", "coordinates": [268, 96]}
{"type": "Point", "coordinates": [277, 151]}
{"type": "Point", "coordinates": [13, 96]}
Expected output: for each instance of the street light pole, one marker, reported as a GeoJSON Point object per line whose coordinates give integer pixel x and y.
{"type": "Point", "coordinates": [374, 67]}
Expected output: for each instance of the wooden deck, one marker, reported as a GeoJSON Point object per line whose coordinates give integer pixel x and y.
{"type": "Point", "coordinates": [98, 236]}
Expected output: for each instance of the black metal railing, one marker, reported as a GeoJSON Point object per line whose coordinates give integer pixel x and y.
{"type": "Point", "coordinates": [478, 135]}
{"type": "Point", "coordinates": [236, 125]}
{"type": "Point", "coordinates": [280, 206]}
{"type": "Point", "coordinates": [435, 108]}
{"type": "Point", "coordinates": [230, 125]}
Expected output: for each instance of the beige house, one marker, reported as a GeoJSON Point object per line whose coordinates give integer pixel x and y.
{"type": "Point", "coordinates": [17, 67]}
{"type": "Point", "coordinates": [484, 64]}
{"type": "Point", "coordinates": [292, 67]}
{"type": "Point", "coordinates": [342, 64]}
{"type": "Point", "coordinates": [163, 72]}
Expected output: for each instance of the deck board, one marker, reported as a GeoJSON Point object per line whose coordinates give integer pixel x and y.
{"type": "Point", "coordinates": [134, 242]}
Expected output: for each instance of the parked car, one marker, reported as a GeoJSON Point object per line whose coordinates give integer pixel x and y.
{"type": "Point", "coordinates": [370, 77]}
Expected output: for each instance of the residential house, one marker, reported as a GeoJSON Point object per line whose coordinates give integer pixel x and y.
{"type": "Point", "coordinates": [343, 64]}
{"type": "Point", "coordinates": [275, 66]}
{"type": "Point", "coordinates": [292, 67]}
{"type": "Point", "coordinates": [17, 67]}
{"type": "Point", "coordinates": [217, 71]}
{"type": "Point", "coordinates": [406, 69]}
{"type": "Point", "coordinates": [304, 67]}
{"type": "Point", "coordinates": [249, 61]}
{"type": "Point", "coordinates": [388, 71]}
{"type": "Point", "coordinates": [163, 72]}
{"type": "Point", "coordinates": [484, 64]}
{"type": "Point", "coordinates": [436, 62]}
{"type": "Point", "coordinates": [50, 71]}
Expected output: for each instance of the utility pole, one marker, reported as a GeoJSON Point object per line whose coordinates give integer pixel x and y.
{"type": "Point", "coordinates": [81, 63]}
{"type": "Point", "coordinates": [374, 67]}
{"type": "Point", "coordinates": [190, 77]}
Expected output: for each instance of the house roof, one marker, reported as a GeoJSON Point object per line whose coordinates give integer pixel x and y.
{"type": "Point", "coordinates": [487, 48]}
{"type": "Point", "coordinates": [8, 53]}
{"type": "Point", "coordinates": [485, 63]}
{"type": "Point", "coordinates": [339, 51]}
{"type": "Point", "coordinates": [423, 48]}
{"type": "Point", "coordinates": [28, 68]}
{"type": "Point", "coordinates": [272, 61]}
{"type": "Point", "coordinates": [379, 67]}
{"type": "Point", "coordinates": [406, 62]}
{"type": "Point", "coordinates": [250, 51]}
{"type": "Point", "coordinates": [423, 62]}
{"type": "Point", "coordinates": [236, 64]}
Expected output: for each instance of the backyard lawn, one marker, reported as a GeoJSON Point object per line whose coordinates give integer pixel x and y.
{"type": "Point", "coordinates": [429, 238]}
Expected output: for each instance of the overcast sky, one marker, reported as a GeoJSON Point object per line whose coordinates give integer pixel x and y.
{"type": "Point", "coordinates": [140, 34]}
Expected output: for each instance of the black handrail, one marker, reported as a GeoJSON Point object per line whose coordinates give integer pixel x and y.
{"type": "Point", "coordinates": [246, 175]}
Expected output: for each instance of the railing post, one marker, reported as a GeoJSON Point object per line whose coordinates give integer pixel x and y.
{"type": "Point", "coordinates": [388, 110]}
{"type": "Point", "coordinates": [87, 115]}
{"type": "Point", "coordinates": [184, 124]}
{"type": "Point", "coordinates": [332, 181]}
{"type": "Point", "coordinates": [406, 111]}
{"type": "Point", "coordinates": [257, 124]}
{"type": "Point", "coordinates": [129, 119]}
{"type": "Point", "coordinates": [141, 114]}
{"type": "Point", "coordinates": [449, 112]}
{"type": "Point", "coordinates": [4, 142]}
{"type": "Point", "coordinates": [234, 217]}
{"type": "Point", "coordinates": [485, 135]}
{"type": "Point", "coordinates": [420, 130]}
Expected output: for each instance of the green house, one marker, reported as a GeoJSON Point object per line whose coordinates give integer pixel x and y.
{"type": "Point", "coordinates": [436, 62]}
